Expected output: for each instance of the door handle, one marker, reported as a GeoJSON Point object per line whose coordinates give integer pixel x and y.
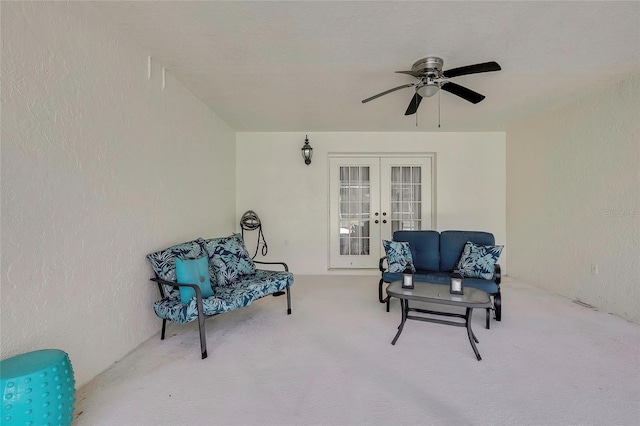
{"type": "Point", "coordinates": [384, 221]}
{"type": "Point", "coordinates": [384, 213]}
{"type": "Point", "coordinates": [376, 221]}
{"type": "Point", "coordinates": [376, 213]}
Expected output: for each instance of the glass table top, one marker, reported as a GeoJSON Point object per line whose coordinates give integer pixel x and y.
{"type": "Point", "coordinates": [439, 293]}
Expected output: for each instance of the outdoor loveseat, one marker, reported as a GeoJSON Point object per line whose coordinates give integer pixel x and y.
{"type": "Point", "coordinates": [434, 256]}
{"type": "Point", "coordinates": [202, 278]}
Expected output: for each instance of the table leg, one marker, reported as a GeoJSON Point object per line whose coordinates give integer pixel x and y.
{"type": "Point", "coordinates": [472, 337]}
{"type": "Point", "coordinates": [404, 305]}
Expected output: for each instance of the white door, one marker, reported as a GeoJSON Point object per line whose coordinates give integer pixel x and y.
{"type": "Point", "coordinates": [370, 198]}
{"type": "Point", "coordinates": [354, 194]}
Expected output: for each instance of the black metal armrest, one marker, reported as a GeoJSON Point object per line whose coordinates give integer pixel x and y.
{"type": "Point", "coordinates": [195, 288]}
{"type": "Point", "coordinates": [497, 274]}
{"type": "Point", "coordinates": [381, 264]}
{"type": "Point", "coordinates": [286, 268]}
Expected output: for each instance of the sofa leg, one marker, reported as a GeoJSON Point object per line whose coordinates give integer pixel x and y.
{"type": "Point", "coordinates": [488, 318]}
{"type": "Point", "coordinates": [288, 302]}
{"type": "Point", "coordinates": [380, 298]}
{"type": "Point", "coordinates": [164, 327]}
{"type": "Point", "coordinates": [201, 318]}
{"type": "Point", "coordinates": [497, 303]}
{"type": "Point", "coordinates": [203, 340]}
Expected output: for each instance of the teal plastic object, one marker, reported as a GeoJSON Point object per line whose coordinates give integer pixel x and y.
{"type": "Point", "coordinates": [37, 388]}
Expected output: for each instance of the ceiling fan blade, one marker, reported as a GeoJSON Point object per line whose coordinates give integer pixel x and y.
{"type": "Point", "coordinates": [472, 69]}
{"type": "Point", "coordinates": [387, 91]}
{"type": "Point", "coordinates": [463, 92]}
{"type": "Point", "coordinates": [414, 104]}
{"type": "Point", "coordinates": [416, 74]}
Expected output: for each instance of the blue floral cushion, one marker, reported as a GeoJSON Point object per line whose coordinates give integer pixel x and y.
{"type": "Point", "coordinates": [229, 259]}
{"type": "Point", "coordinates": [193, 271]}
{"type": "Point", "coordinates": [236, 295]}
{"type": "Point", "coordinates": [163, 262]}
{"type": "Point", "coordinates": [398, 256]}
{"type": "Point", "coordinates": [264, 282]}
{"type": "Point", "coordinates": [478, 261]}
{"type": "Point", "coordinates": [209, 247]}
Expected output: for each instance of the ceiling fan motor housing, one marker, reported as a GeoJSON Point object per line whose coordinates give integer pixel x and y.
{"type": "Point", "coordinates": [429, 65]}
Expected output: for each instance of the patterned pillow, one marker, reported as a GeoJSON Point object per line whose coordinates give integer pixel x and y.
{"type": "Point", "coordinates": [478, 261]}
{"type": "Point", "coordinates": [163, 262]}
{"type": "Point", "coordinates": [193, 271]}
{"type": "Point", "coordinates": [398, 256]}
{"type": "Point", "coordinates": [209, 248]}
{"type": "Point", "coordinates": [230, 259]}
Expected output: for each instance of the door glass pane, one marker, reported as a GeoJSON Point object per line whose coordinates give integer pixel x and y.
{"type": "Point", "coordinates": [395, 174]}
{"type": "Point", "coordinates": [406, 194]}
{"type": "Point", "coordinates": [355, 207]}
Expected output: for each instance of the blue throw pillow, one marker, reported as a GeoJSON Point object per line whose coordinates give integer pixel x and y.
{"type": "Point", "coordinates": [398, 256]}
{"type": "Point", "coordinates": [478, 261]}
{"type": "Point", "coordinates": [193, 271]}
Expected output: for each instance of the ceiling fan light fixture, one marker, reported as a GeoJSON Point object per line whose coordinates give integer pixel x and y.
{"type": "Point", "coordinates": [428, 90]}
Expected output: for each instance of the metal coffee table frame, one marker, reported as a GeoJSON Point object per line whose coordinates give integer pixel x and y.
{"type": "Point", "coordinates": [439, 294]}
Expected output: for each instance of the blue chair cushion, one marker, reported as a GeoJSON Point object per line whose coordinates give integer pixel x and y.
{"type": "Point", "coordinates": [238, 294]}
{"type": "Point", "coordinates": [398, 256]}
{"type": "Point", "coordinates": [265, 282]}
{"type": "Point", "coordinates": [224, 300]}
{"type": "Point", "coordinates": [193, 271]}
{"type": "Point", "coordinates": [452, 243]}
{"type": "Point", "coordinates": [424, 246]}
{"type": "Point", "coordinates": [478, 261]}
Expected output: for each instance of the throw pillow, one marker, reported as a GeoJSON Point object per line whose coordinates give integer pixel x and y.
{"type": "Point", "coordinates": [478, 261]}
{"type": "Point", "coordinates": [163, 262]}
{"type": "Point", "coordinates": [398, 256]}
{"type": "Point", "coordinates": [209, 247]}
{"type": "Point", "coordinates": [193, 271]}
{"type": "Point", "coordinates": [230, 259]}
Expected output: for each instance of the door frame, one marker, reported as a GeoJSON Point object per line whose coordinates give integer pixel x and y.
{"type": "Point", "coordinates": [431, 156]}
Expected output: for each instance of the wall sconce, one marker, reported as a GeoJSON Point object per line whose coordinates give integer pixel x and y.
{"type": "Point", "coordinates": [307, 151]}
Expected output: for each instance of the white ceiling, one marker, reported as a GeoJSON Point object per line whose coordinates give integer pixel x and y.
{"type": "Point", "coordinates": [306, 65]}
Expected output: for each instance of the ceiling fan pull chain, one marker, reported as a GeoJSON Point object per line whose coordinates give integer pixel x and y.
{"type": "Point", "coordinates": [439, 106]}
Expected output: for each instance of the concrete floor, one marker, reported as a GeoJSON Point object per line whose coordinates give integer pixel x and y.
{"type": "Point", "coordinates": [550, 361]}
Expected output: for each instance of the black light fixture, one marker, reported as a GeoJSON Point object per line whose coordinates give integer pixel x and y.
{"type": "Point", "coordinates": [307, 151]}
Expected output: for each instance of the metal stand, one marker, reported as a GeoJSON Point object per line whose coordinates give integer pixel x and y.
{"type": "Point", "coordinates": [404, 304]}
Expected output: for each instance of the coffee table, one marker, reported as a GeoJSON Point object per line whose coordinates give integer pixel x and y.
{"type": "Point", "coordinates": [439, 294]}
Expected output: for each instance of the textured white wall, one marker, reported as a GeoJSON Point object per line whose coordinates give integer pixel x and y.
{"type": "Point", "coordinates": [100, 166]}
{"type": "Point", "coordinates": [573, 191]}
{"type": "Point", "coordinates": [291, 198]}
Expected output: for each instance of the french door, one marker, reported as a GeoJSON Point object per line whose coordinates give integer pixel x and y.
{"type": "Point", "coordinates": [370, 198]}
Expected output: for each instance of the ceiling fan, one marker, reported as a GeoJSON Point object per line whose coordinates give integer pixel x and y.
{"type": "Point", "coordinates": [430, 77]}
